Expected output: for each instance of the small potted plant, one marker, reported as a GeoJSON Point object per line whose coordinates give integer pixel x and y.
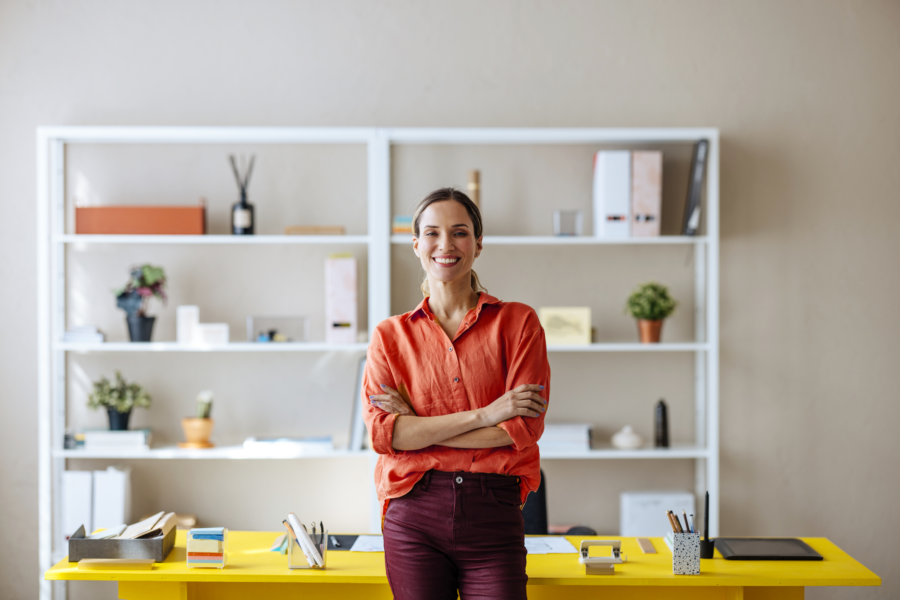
{"type": "Point", "coordinates": [650, 304]}
{"type": "Point", "coordinates": [118, 399]}
{"type": "Point", "coordinates": [146, 282]}
{"type": "Point", "coordinates": [197, 429]}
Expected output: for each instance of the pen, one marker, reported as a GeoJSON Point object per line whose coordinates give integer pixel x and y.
{"type": "Point", "coordinates": [692, 524]}
{"type": "Point", "coordinates": [335, 541]}
{"type": "Point", "coordinates": [706, 519]}
{"type": "Point", "coordinates": [322, 534]}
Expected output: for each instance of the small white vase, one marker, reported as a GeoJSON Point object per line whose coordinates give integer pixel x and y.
{"type": "Point", "coordinates": [627, 439]}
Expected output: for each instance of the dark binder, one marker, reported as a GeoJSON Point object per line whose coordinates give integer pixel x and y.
{"type": "Point", "coordinates": [695, 187]}
{"type": "Point", "coordinates": [765, 549]}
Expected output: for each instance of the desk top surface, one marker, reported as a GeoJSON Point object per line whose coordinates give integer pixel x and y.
{"type": "Point", "coordinates": [250, 561]}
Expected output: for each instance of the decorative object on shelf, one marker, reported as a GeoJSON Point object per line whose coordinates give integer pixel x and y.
{"type": "Point", "coordinates": [141, 220]}
{"type": "Point", "coordinates": [189, 330]}
{"type": "Point", "coordinates": [567, 325]}
{"type": "Point", "coordinates": [207, 547]}
{"type": "Point", "coordinates": [567, 223]}
{"type": "Point", "coordinates": [474, 187]}
{"type": "Point", "coordinates": [650, 304]}
{"type": "Point", "coordinates": [661, 425]}
{"type": "Point", "coordinates": [146, 282]}
{"type": "Point", "coordinates": [340, 299]}
{"type": "Point", "coordinates": [695, 188]}
{"type": "Point", "coordinates": [315, 230]}
{"type": "Point", "coordinates": [277, 329]}
{"type": "Point", "coordinates": [198, 429]}
{"type": "Point", "coordinates": [83, 334]}
{"type": "Point", "coordinates": [564, 438]}
{"type": "Point", "coordinates": [132, 440]}
{"type": "Point", "coordinates": [612, 194]}
{"type": "Point", "coordinates": [646, 192]}
{"type": "Point", "coordinates": [187, 320]}
{"type": "Point", "coordinates": [402, 224]}
{"type": "Point", "coordinates": [243, 217]}
{"type": "Point", "coordinates": [627, 439]}
{"type": "Point", "coordinates": [118, 399]}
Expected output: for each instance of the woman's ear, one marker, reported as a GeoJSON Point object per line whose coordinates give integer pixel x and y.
{"type": "Point", "coordinates": [478, 247]}
{"type": "Point", "coordinates": [416, 245]}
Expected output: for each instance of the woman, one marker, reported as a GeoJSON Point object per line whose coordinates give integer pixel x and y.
{"type": "Point", "coordinates": [457, 391]}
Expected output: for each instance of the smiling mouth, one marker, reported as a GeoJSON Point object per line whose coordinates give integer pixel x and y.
{"type": "Point", "coordinates": [446, 261]}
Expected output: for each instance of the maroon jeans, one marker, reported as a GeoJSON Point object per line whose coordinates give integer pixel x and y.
{"type": "Point", "coordinates": [457, 531]}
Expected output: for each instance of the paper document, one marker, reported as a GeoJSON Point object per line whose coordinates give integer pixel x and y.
{"type": "Point", "coordinates": [549, 545]}
{"type": "Point", "coordinates": [368, 543]}
{"type": "Point", "coordinates": [140, 528]}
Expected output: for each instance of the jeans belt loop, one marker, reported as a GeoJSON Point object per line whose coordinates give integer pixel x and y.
{"type": "Point", "coordinates": [483, 486]}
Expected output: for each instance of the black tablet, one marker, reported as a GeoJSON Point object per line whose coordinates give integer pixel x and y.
{"type": "Point", "coordinates": [765, 549]}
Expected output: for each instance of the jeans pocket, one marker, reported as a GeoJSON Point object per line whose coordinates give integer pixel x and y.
{"type": "Point", "coordinates": [505, 496]}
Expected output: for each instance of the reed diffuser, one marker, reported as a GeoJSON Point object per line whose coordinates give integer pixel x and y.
{"type": "Point", "coordinates": [243, 217]}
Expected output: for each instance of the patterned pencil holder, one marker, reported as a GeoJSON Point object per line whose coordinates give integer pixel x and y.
{"type": "Point", "coordinates": [686, 554]}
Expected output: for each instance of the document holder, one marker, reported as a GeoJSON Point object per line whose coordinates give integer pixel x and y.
{"type": "Point", "coordinates": [601, 565]}
{"type": "Point", "coordinates": [297, 560]}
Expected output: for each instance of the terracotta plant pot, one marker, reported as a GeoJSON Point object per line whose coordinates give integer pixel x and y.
{"type": "Point", "coordinates": [650, 331]}
{"type": "Point", "coordinates": [196, 432]}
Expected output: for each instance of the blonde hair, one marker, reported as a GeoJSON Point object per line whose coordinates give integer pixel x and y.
{"type": "Point", "coordinates": [440, 196]}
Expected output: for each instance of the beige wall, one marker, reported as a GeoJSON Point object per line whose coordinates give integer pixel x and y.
{"type": "Point", "coordinates": [805, 95]}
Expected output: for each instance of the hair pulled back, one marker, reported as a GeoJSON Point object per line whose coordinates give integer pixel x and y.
{"type": "Point", "coordinates": [456, 195]}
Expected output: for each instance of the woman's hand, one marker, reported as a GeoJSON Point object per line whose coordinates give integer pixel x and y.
{"type": "Point", "coordinates": [521, 401]}
{"type": "Point", "coordinates": [391, 402]}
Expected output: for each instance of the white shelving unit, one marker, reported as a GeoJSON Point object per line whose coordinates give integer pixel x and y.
{"type": "Point", "coordinates": [53, 240]}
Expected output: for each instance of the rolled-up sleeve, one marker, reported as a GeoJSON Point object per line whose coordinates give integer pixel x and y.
{"type": "Point", "coordinates": [528, 365]}
{"type": "Point", "coordinates": [378, 372]}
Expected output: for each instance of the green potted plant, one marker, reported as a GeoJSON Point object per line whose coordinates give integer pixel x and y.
{"type": "Point", "coordinates": [145, 282]}
{"type": "Point", "coordinates": [650, 304]}
{"type": "Point", "coordinates": [118, 399]}
{"type": "Point", "coordinates": [198, 429]}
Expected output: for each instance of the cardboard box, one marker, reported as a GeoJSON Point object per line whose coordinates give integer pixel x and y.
{"type": "Point", "coordinates": [156, 548]}
{"type": "Point", "coordinates": [140, 220]}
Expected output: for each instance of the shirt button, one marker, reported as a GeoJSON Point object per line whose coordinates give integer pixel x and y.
{"type": "Point", "coordinates": [450, 349]}
{"type": "Point", "coordinates": [456, 380]}
{"type": "Point", "coordinates": [459, 480]}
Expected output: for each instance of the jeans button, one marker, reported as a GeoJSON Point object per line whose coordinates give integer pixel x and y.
{"type": "Point", "coordinates": [459, 480]}
{"type": "Point", "coordinates": [456, 380]}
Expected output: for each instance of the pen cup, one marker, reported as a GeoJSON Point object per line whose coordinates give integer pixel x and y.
{"type": "Point", "coordinates": [297, 560]}
{"type": "Point", "coordinates": [686, 554]}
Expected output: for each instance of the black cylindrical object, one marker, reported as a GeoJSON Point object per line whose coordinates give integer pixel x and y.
{"type": "Point", "coordinates": [118, 421]}
{"type": "Point", "coordinates": [661, 425]}
{"type": "Point", "coordinates": [140, 328]}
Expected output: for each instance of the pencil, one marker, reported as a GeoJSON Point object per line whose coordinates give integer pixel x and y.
{"type": "Point", "coordinates": [671, 522]}
{"type": "Point", "coordinates": [687, 525]}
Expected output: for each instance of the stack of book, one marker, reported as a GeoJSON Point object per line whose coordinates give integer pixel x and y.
{"type": "Point", "coordinates": [207, 547]}
{"type": "Point", "coordinates": [83, 334]}
{"type": "Point", "coordinates": [133, 440]}
{"type": "Point", "coordinates": [566, 438]}
{"type": "Point", "coordinates": [287, 447]}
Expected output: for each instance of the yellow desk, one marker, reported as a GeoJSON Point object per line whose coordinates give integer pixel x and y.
{"type": "Point", "coordinates": [254, 572]}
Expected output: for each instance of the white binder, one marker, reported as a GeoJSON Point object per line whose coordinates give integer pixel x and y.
{"type": "Point", "coordinates": [77, 495]}
{"type": "Point", "coordinates": [112, 497]}
{"type": "Point", "coordinates": [612, 194]}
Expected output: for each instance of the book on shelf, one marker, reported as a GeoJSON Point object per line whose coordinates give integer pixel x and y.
{"type": "Point", "coordinates": [574, 437]}
{"type": "Point", "coordinates": [287, 447]}
{"type": "Point", "coordinates": [105, 439]}
{"type": "Point", "coordinates": [83, 334]}
{"type": "Point", "coordinates": [695, 188]}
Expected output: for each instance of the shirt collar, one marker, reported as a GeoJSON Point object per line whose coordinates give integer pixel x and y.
{"type": "Point", "coordinates": [424, 310]}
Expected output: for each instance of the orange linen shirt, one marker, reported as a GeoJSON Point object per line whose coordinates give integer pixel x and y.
{"type": "Point", "coordinates": [498, 346]}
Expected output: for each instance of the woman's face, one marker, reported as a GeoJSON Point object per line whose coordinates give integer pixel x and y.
{"type": "Point", "coordinates": [446, 245]}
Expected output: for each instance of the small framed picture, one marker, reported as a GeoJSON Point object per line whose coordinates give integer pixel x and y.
{"type": "Point", "coordinates": [566, 325]}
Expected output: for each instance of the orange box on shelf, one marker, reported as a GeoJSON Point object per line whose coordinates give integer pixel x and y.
{"type": "Point", "coordinates": [141, 220]}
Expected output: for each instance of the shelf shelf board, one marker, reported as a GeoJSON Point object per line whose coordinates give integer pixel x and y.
{"type": "Point", "coordinates": [675, 452]}
{"type": "Point", "coordinates": [232, 347]}
{"type": "Point", "coordinates": [631, 347]}
{"type": "Point", "coordinates": [212, 239]}
{"type": "Point", "coordinates": [217, 453]}
{"type": "Point", "coordinates": [549, 240]}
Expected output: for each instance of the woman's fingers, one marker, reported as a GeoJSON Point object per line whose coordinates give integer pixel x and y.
{"type": "Point", "coordinates": [528, 387]}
